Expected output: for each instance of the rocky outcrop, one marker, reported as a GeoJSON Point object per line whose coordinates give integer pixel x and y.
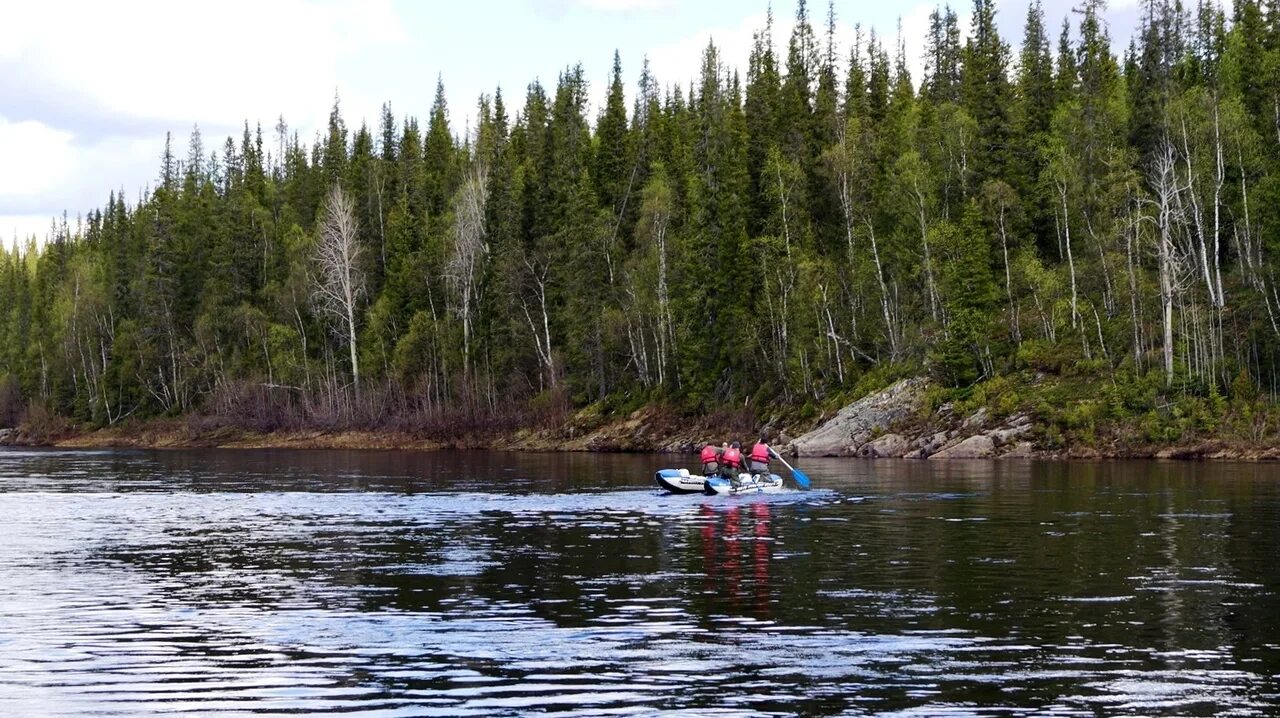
{"type": "Point", "coordinates": [932, 443]}
{"type": "Point", "coordinates": [978, 446]}
{"type": "Point", "coordinates": [8, 436]}
{"type": "Point", "coordinates": [858, 430]}
{"type": "Point", "coordinates": [976, 442]}
{"type": "Point", "coordinates": [1020, 450]}
{"type": "Point", "coordinates": [858, 422]}
{"type": "Point", "coordinates": [975, 420]}
{"type": "Point", "coordinates": [889, 446]}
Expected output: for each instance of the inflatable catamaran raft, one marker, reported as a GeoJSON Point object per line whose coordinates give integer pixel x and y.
{"type": "Point", "coordinates": [680, 481]}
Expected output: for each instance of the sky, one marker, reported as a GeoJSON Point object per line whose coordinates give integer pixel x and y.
{"type": "Point", "coordinates": [88, 90]}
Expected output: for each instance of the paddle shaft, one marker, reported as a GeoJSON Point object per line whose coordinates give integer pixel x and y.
{"type": "Point", "coordinates": [800, 477]}
{"type": "Point", "coordinates": [778, 456]}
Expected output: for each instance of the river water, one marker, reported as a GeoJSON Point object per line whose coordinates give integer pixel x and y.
{"type": "Point", "coordinates": [483, 583]}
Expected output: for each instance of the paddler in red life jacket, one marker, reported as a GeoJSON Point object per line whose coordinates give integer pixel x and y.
{"type": "Point", "coordinates": [710, 458]}
{"type": "Point", "coordinates": [731, 461]}
{"type": "Point", "coordinates": [759, 458]}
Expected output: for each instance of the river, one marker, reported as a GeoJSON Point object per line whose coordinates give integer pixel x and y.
{"type": "Point", "coordinates": [486, 583]}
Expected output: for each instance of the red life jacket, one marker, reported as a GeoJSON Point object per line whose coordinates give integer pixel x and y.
{"type": "Point", "coordinates": [709, 455]}
{"type": "Point", "coordinates": [760, 453]}
{"type": "Point", "coordinates": [731, 457]}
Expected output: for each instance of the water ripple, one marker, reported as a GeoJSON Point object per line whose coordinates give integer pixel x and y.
{"type": "Point", "coordinates": [208, 583]}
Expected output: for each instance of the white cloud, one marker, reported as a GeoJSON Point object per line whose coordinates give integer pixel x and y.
{"type": "Point", "coordinates": [625, 5]}
{"type": "Point", "coordinates": [216, 64]}
{"type": "Point", "coordinates": [33, 159]}
{"type": "Point", "coordinates": [16, 229]}
{"type": "Point", "coordinates": [44, 172]}
{"type": "Point", "coordinates": [99, 83]}
{"type": "Point", "coordinates": [680, 62]}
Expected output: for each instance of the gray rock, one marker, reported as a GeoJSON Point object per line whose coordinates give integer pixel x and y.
{"type": "Point", "coordinates": [933, 442]}
{"type": "Point", "coordinates": [856, 423]}
{"type": "Point", "coordinates": [1016, 427]}
{"type": "Point", "coordinates": [917, 454]}
{"type": "Point", "coordinates": [1006, 436]}
{"type": "Point", "coordinates": [889, 446]}
{"type": "Point", "coordinates": [980, 446]}
{"type": "Point", "coordinates": [1020, 450]}
{"type": "Point", "coordinates": [976, 419]}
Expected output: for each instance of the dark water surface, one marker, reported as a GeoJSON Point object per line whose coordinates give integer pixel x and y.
{"type": "Point", "coordinates": [254, 583]}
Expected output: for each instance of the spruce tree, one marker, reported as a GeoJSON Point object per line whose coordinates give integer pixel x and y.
{"type": "Point", "coordinates": [440, 173]}
{"type": "Point", "coordinates": [986, 92]}
{"type": "Point", "coordinates": [614, 165]}
{"type": "Point", "coordinates": [795, 109]}
{"type": "Point", "coordinates": [943, 58]}
{"type": "Point", "coordinates": [762, 113]}
{"type": "Point", "coordinates": [334, 157]}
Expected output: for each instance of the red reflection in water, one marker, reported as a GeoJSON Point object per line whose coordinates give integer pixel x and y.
{"type": "Point", "coordinates": [737, 572]}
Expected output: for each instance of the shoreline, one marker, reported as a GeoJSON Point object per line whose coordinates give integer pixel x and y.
{"type": "Point", "coordinates": [167, 436]}
{"type": "Point", "coordinates": [908, 419]}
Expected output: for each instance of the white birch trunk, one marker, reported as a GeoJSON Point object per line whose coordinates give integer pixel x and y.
{"type": "Point", "coordinates": [338, 258]}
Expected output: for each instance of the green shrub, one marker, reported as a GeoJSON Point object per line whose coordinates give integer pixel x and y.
{"type": "Point", "coordinates": [1132, 396]}
{"type": "Point", "coordinates": [1036, 354]}
{"type": "Point", "coordinates": [1243, 387]}
{"type": "Point", "coordinates": [807, 412]}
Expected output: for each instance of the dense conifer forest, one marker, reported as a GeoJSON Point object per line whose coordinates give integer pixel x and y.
{"type": "Point", "coordinates": [781, 237]}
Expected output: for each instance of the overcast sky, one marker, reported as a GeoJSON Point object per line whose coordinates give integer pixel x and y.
{"type": "Point", "coordinates": [89, 89]}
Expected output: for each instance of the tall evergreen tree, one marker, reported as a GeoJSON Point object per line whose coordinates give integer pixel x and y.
{"type": "Point", "coordinates": [439, 158]}
{"type": "Point", "coordinates": [943, 58]}
{"type": "Point", "coordinates": [762, 109]}
{"type": "Point", "coordinates": [614, 168]}
{"type": "Point", "coordinates": [986, 93]}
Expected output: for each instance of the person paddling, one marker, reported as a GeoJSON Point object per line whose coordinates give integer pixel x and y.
{"type": "Point", "coordinates": [759, 458]}
{"type": "Point", "coordinates": [731, 462]}
{"type": "Point", "coordinates": [710, 458]}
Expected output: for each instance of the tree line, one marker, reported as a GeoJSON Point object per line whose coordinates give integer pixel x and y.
{"type": "Point", "coordinates": [769, 238]}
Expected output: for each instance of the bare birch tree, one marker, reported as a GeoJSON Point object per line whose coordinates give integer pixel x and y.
{"type": "Point", "coordinates": [1163, 180]}
{"type": "Point", "coordinates": [847, 165]}
{"type": "Point", "coordinates": [1061, 169]}
{"type": "Point", "coordinates": [655, 220]}
{"type": "Point", "coordinates": [539, 318]}
{"type": "Point", "coordinates": [340, 274]}
{"type": "Point", "coordinates": [469, 251]}
{"type": "Point", "coordinates": [1002, 201]}
{"type": "Point", "coordinates": [913, 174]}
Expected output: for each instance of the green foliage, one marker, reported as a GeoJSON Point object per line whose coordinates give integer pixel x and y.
{"type": "Point", "coordinates": [969, 293]}
{"type": "Point", "coordinates": [785, 240]}
{"type": "Point", "coordinates": [1000, 396]}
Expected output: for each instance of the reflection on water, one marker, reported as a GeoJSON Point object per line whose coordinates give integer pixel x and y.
{"type": "Point", "coordinates": [736, 552]}
{"type": "Point", "coordinates": [255, 583]}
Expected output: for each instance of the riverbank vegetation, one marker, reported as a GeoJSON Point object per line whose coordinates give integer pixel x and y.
{"type": "Point", "coordinates": [1045, 227]}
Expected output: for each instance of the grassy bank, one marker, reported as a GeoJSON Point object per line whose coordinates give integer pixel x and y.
{"type": "Point", "coordinates": [1080, 411]}
{"type": "Point", "coordinates": [1075, 412]}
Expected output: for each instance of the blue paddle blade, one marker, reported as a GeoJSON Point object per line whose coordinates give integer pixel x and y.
{"type": "Point", "coordinates": [802, 479]}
